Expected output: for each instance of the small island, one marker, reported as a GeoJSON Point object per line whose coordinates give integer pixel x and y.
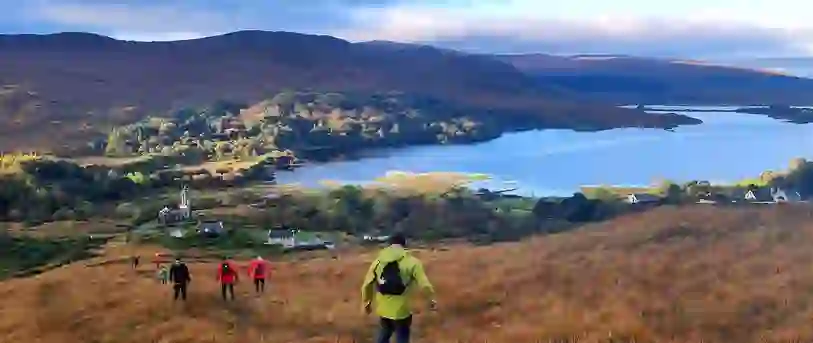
{"type": "Point", "coordinates": [796, 115]}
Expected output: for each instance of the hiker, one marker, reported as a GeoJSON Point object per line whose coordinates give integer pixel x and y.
{"type": "Point", "coordinates": [163, 275]}
{"type": "Point", "coordinates": [391, 277]}
{"type": "Point", "coordinates": [180, 277]}
{"type": "Point", "coordinates": [257, 271]}
{"type": "Point", "coordinates": [227, 275]}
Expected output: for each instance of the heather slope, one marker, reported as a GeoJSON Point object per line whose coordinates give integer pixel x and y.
{"type": "Point", "coordinates": [88, 82]}
{"type": "Point", "coordinates": [669, 275]}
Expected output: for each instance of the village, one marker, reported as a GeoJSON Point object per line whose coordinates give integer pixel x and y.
{"type": "Point", "coordinates": [751, 195]}
{"type": "Point", "coordinates": [181, 221]}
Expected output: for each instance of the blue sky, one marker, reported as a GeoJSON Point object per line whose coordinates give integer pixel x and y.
{"type": "Point", "coordinates": [686, 28]}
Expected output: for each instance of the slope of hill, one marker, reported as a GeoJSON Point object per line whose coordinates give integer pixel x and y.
{"type": "Point", "coordinates": [690, 274]}
{"type": "Point", "coordinates": [82, 78]}
{"type": "Point", "coordinates": [636, 80]}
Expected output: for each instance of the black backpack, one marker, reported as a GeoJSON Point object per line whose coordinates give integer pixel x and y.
{"type": "Point", "coordinates": [390, 282]}
{"type": "Point", "coordinates": [225, 268]}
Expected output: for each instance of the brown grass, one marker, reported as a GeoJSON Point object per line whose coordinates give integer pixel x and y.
{"type": "Point", "coordinates": [67, 228]}
{"type": "Point", "coordinates": [694, 274]}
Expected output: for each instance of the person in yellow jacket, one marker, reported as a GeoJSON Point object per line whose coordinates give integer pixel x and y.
{"type": "Point", "coordinates": [389, 282]}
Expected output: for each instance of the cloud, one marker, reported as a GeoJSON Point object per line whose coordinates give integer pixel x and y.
{"type": "Point", "coordinates": [693, 30]}
{"type": "Point", "coordinates": [701, 36]}
{"type": "Point", "coordinates": [165, 19]}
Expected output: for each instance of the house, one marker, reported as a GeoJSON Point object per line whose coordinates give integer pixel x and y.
{"type": "Point", "coordinates": [376, 238]}
{"type": "Point", "coordinates": [759, 195]}
{"type": "Point", "coordinates": [291, 239]}
{"type": "Point", "coordinates": [642, 198]}
{"type": "Point", "coordinates": [211, 229]}
{"type": "Point", "coordinates": [177, 232]}
{"type": "Point", "coordinates": [781, 195]}
{"type": "Point", "coordinates": [283, 237]}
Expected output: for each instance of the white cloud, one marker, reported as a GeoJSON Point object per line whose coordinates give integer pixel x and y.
{"type": "Point", "coordinates": [685, 28]}
{"type": "Point", "coordinates": [703, 35]}
{"type": "Point", "coordinates": [151, 22]}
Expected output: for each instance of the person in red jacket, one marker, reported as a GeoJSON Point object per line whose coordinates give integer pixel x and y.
{"type": "Point", "coordinates": [227, 275]}
{"type": "Point", "coordinates": [258, 270]}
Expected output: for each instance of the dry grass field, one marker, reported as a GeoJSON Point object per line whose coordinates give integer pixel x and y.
{"type": "Point", "coordinates": [692, 274]}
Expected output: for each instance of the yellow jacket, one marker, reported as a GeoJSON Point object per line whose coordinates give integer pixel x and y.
{"type": "Point", "coordinates": [395, 306]}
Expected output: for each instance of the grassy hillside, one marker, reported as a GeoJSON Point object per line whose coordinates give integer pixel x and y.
{"type": "Point", "coordinates": [669, 275]}
{"type": "Point", "coordinates": [59, 88]}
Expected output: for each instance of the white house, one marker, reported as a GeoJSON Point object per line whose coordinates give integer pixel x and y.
{"type": "Point", "coordinates": [772, 195]}
{"type": "Point", "coordinates": [780, 195]}
{"type": "Point", "coordinates": [282, 237]}
{"type": "Point", "coordinates": [642, 198]}
{"type": "Point", "coordinates": [177, 232]}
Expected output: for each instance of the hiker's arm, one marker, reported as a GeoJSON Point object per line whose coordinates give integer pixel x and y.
{"type": "Point", "coordinates": [171, 273]}
{"type": "Point", "coordinates": [423, 281]}
{"type": "Point", "coordinates": [367, 286]}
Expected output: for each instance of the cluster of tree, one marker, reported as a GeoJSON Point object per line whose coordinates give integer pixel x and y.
{"type": "Point", "coordinates": [798, 177]}
{"type": "Point", "coordinates": [579, 209]}
{"type": "Point", "coordinates": [312, 125]}
{"type": "Point", "coordinates": [23, 255]}
{"type": "Point", "coordinates": [457, 214]}
{"type": "Point", "coordinates": [45, 189]}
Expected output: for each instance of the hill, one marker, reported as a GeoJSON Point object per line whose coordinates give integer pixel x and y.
{"type": "Point", "coordinates": [686, 274]}
{"type": "Point", "coordinates": [640, 80]}
{"type": "Point", "coordinates": [62, 86]}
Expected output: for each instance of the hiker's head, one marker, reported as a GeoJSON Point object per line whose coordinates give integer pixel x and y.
{"type": "Point", "coordinates": [259, 257]}
{"type": "Point", "coordinates": [398, 238]}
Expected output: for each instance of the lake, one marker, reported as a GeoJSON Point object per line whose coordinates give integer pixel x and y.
{"type": "Point", "coordinates": [727, 147]}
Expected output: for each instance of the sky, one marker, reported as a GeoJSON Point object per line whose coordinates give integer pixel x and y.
{"type": "Point", "coordinates": [703, 29]}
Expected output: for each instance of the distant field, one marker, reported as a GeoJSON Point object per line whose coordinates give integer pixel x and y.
{"type": "Point", "coordinates": [620, 191]}
{"type": "Point", "coordinates": [108, 161]}
{"type": "Point", "coordinates": [66, 228]}
{"type": "Point", "coordinates": [418, 183]}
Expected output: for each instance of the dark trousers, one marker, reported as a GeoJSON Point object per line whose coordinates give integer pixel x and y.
{"type": "Point", "coordinates": [400, 328]}
{"type": "Point", "coordinates": [259, 285]}
{"type": "Point", "coordinates": [227, 287]}
{"type": "Point", "coordinates": [180, 290]}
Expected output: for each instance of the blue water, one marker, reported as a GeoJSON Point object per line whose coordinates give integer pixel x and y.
{"type": "Point", "coordinates": [727, 147]}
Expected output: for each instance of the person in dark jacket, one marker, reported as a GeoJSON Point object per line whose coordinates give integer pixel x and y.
{"type": "Point", "coordinates": [180, 278]}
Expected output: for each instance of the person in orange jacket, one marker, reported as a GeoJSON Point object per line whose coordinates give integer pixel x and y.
{"type": "Point", "coordinates": [258, 270]}
{"type": "Point", "coordinates": [227, 275]}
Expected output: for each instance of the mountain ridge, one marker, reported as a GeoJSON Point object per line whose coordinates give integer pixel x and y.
{"type": "Point", "coordinates": [93, 80]}
{"type": "Point", "coordinates": [654, 81]}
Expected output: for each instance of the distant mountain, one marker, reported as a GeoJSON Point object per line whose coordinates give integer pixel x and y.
{"type": "Point", "coordinates": [798, 66]}
{"type": "Point", "coordinates": [634, 80]}
{"type": "Point", "coordinates": [80, 83]}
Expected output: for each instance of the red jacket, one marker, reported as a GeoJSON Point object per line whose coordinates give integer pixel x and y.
{"type": "Point", "coordinates": [227, 278]}
{"type": "Point", "coordinates": [259, 269]}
